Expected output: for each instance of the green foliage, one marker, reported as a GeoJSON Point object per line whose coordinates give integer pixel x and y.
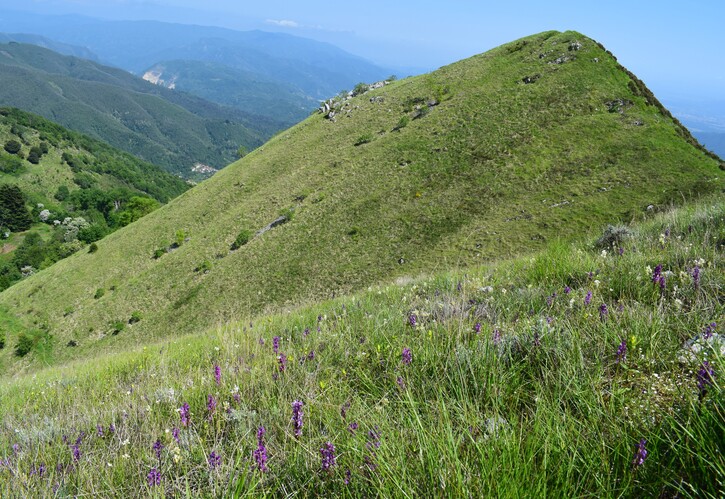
{"type": "Point", "coordinates": [159, 252]}
{"type": "Point", "coordinates": [364, 139]}
{"type": "Point", "coordinates": [92, 248]}
{"type": "Point", "coordinates": [204, 267]}
{"type": "Point", "coordinates": [402, 122]}
{"type": "Point", "coordinates": [242, 238]}
{"type": "Point", "coordinates": [117, 327]}
{"type": "Point", "coordinates": [136, 208]}
{"type": "Point", "coordinates": [62, 193]}
{"type": "Point", "coordinates": [241, 152]}
{"type": "Point", "coordinates": [14, 215]}
{"type": "Point", "coordinates": [99, 293]}
{"type": "Point", "coordinates": [136, 316]}
{"type": "Point", "coordinates": [27, 341]}
{"type": "Point", "coordinates": [84, 180]}
{"type": "Point", "coordinates": [179, 238]}
{"type": "Point", "coordinates": [35, 154]}
{"type": "Point", "coordinates": [12, 146]}
{"type": "Point", "coordinates": [10, 164]}
{"type": "Point", "coordinates": [360, 88]}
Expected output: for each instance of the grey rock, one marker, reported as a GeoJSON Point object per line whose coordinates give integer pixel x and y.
{"type": "Point", "coordinates": [697, 349]}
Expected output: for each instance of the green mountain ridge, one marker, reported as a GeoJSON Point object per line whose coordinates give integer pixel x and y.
{"type": "Point", "coordinates": [543, 138]}
{"type": "Point", "coordinates": [172, 129]}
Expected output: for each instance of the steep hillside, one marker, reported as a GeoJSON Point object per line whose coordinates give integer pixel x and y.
{"type": "Point", "coordinates": [589, 370]}
{"type": "Point", "coordinates": [62, 175]}
{"type": "Point", "coordinates": [41, 41]}
{"type": "Point", "coordinates": [539, 139]}
{"type": "Point", "coordinates": [172, 129]}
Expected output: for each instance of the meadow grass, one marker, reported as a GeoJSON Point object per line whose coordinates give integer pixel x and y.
{"type": "Point", "coordinates": [501, 380]}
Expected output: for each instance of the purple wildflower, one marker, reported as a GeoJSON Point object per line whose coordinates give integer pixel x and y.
{"type": "Point", "coordinates": [588, 298]}
{"type": "Point", "coordinates": [237, 397]}
{"type": "Point", "coordinates": [306, 332]}
{"type": "Point", "coordinates": [413, 320]}
{"type": "Point", "coordinates": [344, 408]}
{"type": "Point", "coordinates": [327, 452]}
{"type": "Point", "coordinates": [352, 427]}
{"type": "Point", "coordinates": [709, 330]}
{"type": "Point", "coordinates": [407, 356]}
{"type": "Point", "coordinates": [656, 274]}
{"type": "Point", "coordinates": [549, 320]}
{"type": "Point", "coordinates": [217, 374]}
{"type": "Point", "coordinates": [401, 382]}
{"type": "Point", "coordinates": [663, 283]}
{"type": "Point", "coordinates": [154, 477]}
{"type": "Point", "coordinates": [40, 470]}
{"type": "Point", "coordinates": [16, 449]}
{"type": "Point", "coordinates": [705, 377]}
{"type": "Point", "coordinates": [261, 341]}
{"type": "Point", "coordinates": [348, 477]}
{"type": "Point", "coordinates": [667, 232]}
{"type": "Point", "coordinates": [622, 351]}
{"type": "Point", "coordinates": [311, 355]}
{"type": "Point", "coordinates": [297, 417]}
{"type": "Point", "coordinates": [567, 290]}
{"type": "Point", "coordinates": [76, 453]}
{"type": "Point", "coordinates": [621, 251]}
{"type": "Point", "coordinates": [537, 339]}
{"type": "Point", "coordinates": [99, 431]}
{"type": "Point", "coordinates": [550, 300]}
{"type": "Point", "coordinates": [640, 454]}
{"type": "Point", "coordinates": [158, 447]}
{"type": "Point", "coordinates": [696, 277]}
{"type": "Point", "coordinates": [260, 453]}
{"type": "Point", "coordinates": [275, 344]}
{"type": "Point", "coordinates": [373, 439]}
{"type": "Point", "coordinates": [112, 429]}
{"type": "Point", "coordinates": [184, 414]}
{"type": "Point", "coordinates": [603, 311]}
{"type": "Point", "coordinates": [210, 405]}
{"type": "Point", "coordinates": [496, 336]}
{"type": "Point", "coordinates": [282, 362]}
{"type": "Point", "coordinates": [477, 328]}
{"type": "Point", "coordinates": [214, 460]}
{"type": "Point", "coordinates": [176, 434]}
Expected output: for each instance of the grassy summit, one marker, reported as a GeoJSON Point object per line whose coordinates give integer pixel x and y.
{"type": "Point", "coordinates": [494, 156]}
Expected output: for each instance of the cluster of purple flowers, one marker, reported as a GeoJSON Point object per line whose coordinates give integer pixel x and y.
{"type": "Point", "coordinates": [603, 311]}
{"type": "Point", "coordinates": [154, 477]}
{"type": "Point", "coordinates": [260, 453]}
{"type": "Point", "coordinates": [588, 298]}
{"type": "Point", "coordinates": [210, 405]}
{"type": "Point", "coordinates": [622, 351]}
{"type": "Point", "coordinates": [282, 359]}
{"type": "Point", "coordinates": [297, 417]}
{"type": "Point", "coordinates": [477, 328]}
{"type": "Point", "coordinates": [372, 445]}
{"type": "Point", "coordinates": [658, 277]}
{"type": "Point", "coordinates": [496, 336]}
{"type": "Point", "coordinates": [214, 460]}
{"type": "Point", "coordinates": [401, 382]}
{"type": "Point", "coordinates": [352, 427]}
{"type": "Point", "coordinates": [184, 414]}
{"type": "Point", "coordinates": [158, 447]}
{"type": "Point", "coordinates": [407, 356]}
{"type": "Point", "coordinates": [327, 452]}
{"type": "Point", "coordinates": [709, 330]}
{"type": "Point", "coordinates": [217, 374]}
{"type": "Point", "coordinates": [640, 454]}
{"type": "Point", "coordinates": [413, 320]}
{"type": "Point", "coordinates": [275, 344]}
{"type": "Point", "coordinates": [705, 377]}
{"type": "Point", "coordinates": [696, 277]}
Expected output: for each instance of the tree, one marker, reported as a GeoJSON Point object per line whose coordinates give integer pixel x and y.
{"type": "Point", "coordinates": [62, 193]}
{"type": "Point", "coordinates": [34, 156]}
{"type": "Point", "coordinates": [136, 208]}
{"type": "Point", "coordinates": [13, 146]}
{"type": "Point", "coordinates": [13, 213]}
{"type": "Point", "coordinates": [241, 152]}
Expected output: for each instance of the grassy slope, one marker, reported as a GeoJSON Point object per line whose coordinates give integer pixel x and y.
{"type": "Point", "coordinates": [569, 415]}
{"type": "Point", "coordinates": [482, 176]}
{"type": "Point", "coordinates": [169, 128]}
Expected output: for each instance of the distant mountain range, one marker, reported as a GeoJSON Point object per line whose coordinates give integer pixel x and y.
{"type": "Point", "coordinates": [169, 128]}
{"type": "Point", "coordinates": [282, 69]}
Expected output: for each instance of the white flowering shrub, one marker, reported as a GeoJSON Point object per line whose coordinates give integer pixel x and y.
{"type": "Point", "coordinates": [44, 215]}
{"type": "Point", "coordinates": [72, 226]}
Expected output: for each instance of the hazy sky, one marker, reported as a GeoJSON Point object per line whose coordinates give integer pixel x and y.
{"type": "Point", "coordinates": [676, 47]}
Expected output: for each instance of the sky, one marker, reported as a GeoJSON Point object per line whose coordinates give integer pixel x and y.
{"type": "Point", "coordinates": [676, 47]}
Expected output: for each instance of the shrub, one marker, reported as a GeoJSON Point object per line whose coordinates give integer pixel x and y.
{"type": "Point", "coordinates": [2, 340]}
{"type": "Point", "coordinates": [402, 123]}
{"type": "Point", "coordinates": [10, 164]}
{"type": "Point", "coordinates": [93, 248]}
{"type": "Point", "coordinates": [117, 327]}
{"type": "Point", "coordinates": [27, 342]}
{"type": "Point", "coordinates": [62, 193]}
{"type": "Point", "coordinates": [242, 238]}
{"type": "Point", "coordinates": [99, 293]}
{"type": "Point", "coordinates": [135, 317]}
{"type": "Point", "coordinates": [158, 253]}
{"type": "Point", "coordinates": [204, 267]}
{"type": "Point", "coordinates": [364, 139]}
{"type": "Point", "coordinates": [613, 235]}
{"type": "Point", "coordinates": [180, 238]}
{"type": "Point", "coordinates": [34, 155]}
{"type": "Point", "coordinates": [13, 146]}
